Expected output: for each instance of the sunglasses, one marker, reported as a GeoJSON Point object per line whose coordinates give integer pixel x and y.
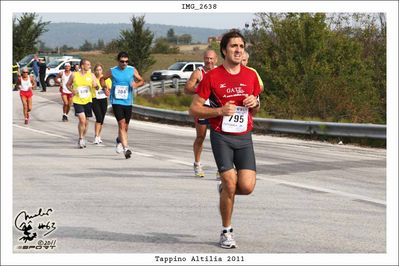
{"type": "Point", "coordinates": [123, 61]}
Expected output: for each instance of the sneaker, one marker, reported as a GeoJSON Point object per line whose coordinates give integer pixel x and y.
{"type": "Point", "coordinates": [64, 118]}
{"type": "Point", "coordinates": [127, 153]}
{"type": "Point", "coordinates": [26, 121]}
{"type": "Point", "coordinates": [119, 147]}
{"type": "Point", "coordinates": [81, 144]}
{"type": "Point", "coordinates": [198, 171]}
{"type": "Point", "coordinates": [227, 239]}
{"type": "Point", "coordinates": [96, 140]}
{"type": "Point", "coordinates": [100, 140]}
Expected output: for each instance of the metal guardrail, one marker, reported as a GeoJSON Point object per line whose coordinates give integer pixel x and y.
{"type": "Point", "coordinates": [161, 87]}
{"type": "Point", "coordinates": [371, 131]}
{"type": "Point", "coordinates": [280, 125]}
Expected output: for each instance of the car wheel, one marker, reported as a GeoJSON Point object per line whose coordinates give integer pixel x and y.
{"type": "Point", "coordinates": [51, 81]}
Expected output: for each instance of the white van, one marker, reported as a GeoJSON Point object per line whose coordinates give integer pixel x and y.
{"type": "Point", "coordinates": [56, 66]}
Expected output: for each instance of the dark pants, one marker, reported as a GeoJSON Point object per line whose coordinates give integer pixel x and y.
{"type": "Point", "coordinates": [42, 82]}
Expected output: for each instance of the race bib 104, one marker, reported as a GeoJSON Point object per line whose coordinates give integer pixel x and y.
{"type": "Point", "coordinates": [236, 123]}
{"type": "Point", "coordinates": [121, 92]}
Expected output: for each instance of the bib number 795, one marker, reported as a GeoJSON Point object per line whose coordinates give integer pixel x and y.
{"type": "Point", "coordinates": [237, 118]}
{"type": "Point", "coordinates": [237, 122]}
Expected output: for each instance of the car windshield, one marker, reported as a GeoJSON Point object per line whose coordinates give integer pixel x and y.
{"type": "Point", "coordinates": [177, 66]}
{"type": "Point", "coordinates": [26, 59]}
{"type": "Point", "coordinates": [54, 63]}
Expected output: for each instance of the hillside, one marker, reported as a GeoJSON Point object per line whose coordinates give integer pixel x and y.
{"type": "Point", "coordinates": [74, 34]}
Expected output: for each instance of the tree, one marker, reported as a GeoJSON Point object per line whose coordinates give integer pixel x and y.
{"type": "Point", "coordinates": [87, 46]}
{"type": "Point", "coordinates": [26, 33]}
{"type": "Point", "coordinates": [171, 36]}
{"type": "Point", "coordinates": [162, 46]}
{"type": "Point", "coordinates": [184, 39]}
{"type": "Point", "coordinates": [100, 44]}
{"type": "Point", "coordinates": [314, 67]}
{"type": "Point", "coordinates": [65, 48]}
{"type": "Point", "coordinates": [137, 43]}
{"type": "Point", "coordinates": [113, 46]}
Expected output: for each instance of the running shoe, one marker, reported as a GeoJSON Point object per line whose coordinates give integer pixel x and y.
{"type": "Point", "coordinates": [198, 171]}
{"type": "Point", "coordinates": [26, 121]}
{"type": "Point", "coordinates": [227, 239]}
{"type": "Point", "coordinates": [81, 144]}
{"type": "Point", "coordinates": [64, 118]}
{"type": "Point", "coordinates": [119, 147]}
{"type": "Point", "coordinates": [96, 140]}
{"type": "Point", "coordinates": [100, 140]}
{"type": "Point", "coordinates": [127, 153]}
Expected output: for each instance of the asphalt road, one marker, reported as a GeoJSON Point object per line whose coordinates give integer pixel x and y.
{"type": "Point", "coordinates": [310, 197]}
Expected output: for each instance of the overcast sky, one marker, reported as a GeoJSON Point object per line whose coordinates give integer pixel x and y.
{"type": "Point", "coordinates": [204, 20]}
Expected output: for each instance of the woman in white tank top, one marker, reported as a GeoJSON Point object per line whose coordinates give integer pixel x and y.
{"type": "Point", "coordinates": [25, 84]}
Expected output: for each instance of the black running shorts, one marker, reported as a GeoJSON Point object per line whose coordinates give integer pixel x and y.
{"type": "Point", "coordinates": [83, 108]}
{"type": "Point", "coordinates": [233, 150]}
{"type": "Point", "coordinates": [122, 112]}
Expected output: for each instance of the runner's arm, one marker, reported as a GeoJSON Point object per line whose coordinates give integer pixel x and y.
{"type": "Point", "coordinates": [33, 81]}
{"type": "Point", "coordinates": [252, 102]}
{"type": "Point", "coordinates": [107, 75]}
{"type": "Point", "coordinates": [191, 83]}
{"type": "Point", "coordinates": [58, 79]}
{"type": "Point", "coordinates": [198, 109]}
{"type": "Point", "coordinates": [18, 83]}
{"type": "Point", "coordinates": [140, 80]}
{"type": "Point", "coordinates": [69, 84]}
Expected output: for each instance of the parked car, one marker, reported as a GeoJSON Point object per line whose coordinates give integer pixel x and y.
{"type": "Point", "coordinates": [56, 66]}
{"type": "Point", "coordinates": [28, 59]}
{"type": "Point", "coordinates": [179, 70]}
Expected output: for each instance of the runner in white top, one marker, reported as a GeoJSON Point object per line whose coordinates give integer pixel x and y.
{"type": "Point", "coordinates": [66, 94]}
{"type": "Point", "coordinates": [210, 60]}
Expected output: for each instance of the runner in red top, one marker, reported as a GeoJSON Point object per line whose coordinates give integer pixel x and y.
{"type": "Point", "coordinates": [222, 87]}
{"type": "Point", "coordinates": [233, 93]}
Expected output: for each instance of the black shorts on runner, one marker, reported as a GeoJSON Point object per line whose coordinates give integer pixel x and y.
{"type": "Point", "coordinates": [122, 112]}
{"type": "Point", "coordinates": [83, 108]}
{"type": "Point", "coordinates": [233, 150]}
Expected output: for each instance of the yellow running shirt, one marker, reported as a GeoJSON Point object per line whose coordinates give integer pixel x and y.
{"type": "Point", "coordinates": [83, 85]}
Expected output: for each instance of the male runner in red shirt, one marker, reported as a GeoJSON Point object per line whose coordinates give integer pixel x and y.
{"type": "Point", "coordinates": [233, 91]}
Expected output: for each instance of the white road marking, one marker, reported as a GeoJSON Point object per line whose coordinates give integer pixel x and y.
{"type": "Point", "coordinates": [321, 189]}
{"type": "Point", "coordinates": [260, 177]}
{"type": "Point", "coordinates": [41, 132]}
{"type": "Point", "coordinates": [179, 162]}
